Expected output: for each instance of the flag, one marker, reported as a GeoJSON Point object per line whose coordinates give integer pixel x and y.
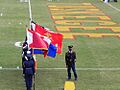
{"type": "Point", "coordinates": [51, 51]}
{"type": "Point", "coordinates": [37, 41]}
{"type": "Point", "coordinates": [37, 51]}
{"type": "Point", "coordinates": [56, 38]}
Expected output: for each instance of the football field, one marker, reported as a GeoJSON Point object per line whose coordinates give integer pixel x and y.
{"type": "Point", "coordinates": [91, 26]}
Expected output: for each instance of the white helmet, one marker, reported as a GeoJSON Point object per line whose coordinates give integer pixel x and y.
{"type": "Point", "coordinates": [28, 52]}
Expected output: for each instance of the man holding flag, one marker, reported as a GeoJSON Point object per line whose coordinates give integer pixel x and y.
{"type": "Point", "coordinates": [40, 41]}
{"type": "Point", "coordinates": [29, 70]}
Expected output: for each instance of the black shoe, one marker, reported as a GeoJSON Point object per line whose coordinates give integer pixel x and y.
{"type": "Point", "coordinates": [76, 79]}
{"type": "Point", "coordinates": [68, 78]}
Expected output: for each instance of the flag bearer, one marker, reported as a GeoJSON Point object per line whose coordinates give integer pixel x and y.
{"type": "Point", "coordinates": [24, 53]}
{"type": "Point", "coordinates": [29, 70]}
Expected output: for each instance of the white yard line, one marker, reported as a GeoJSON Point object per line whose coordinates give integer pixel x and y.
{"type": "Point", "coordinates": [113, 7]}
{"type": "Point", "coordinates": [82, 69]}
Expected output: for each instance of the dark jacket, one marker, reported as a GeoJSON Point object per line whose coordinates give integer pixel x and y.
{"type": "Point", "coordinates": [70, 58]}
{"type": "Point", "coordinates": [24, 53]}
{"type": "Point", "coordinates": [29, 67]}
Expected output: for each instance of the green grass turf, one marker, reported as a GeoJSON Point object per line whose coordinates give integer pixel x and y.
{"type": "Point", "coordinates": [54, 80]}
{"type": "Point", "coordinates": [91, 52]}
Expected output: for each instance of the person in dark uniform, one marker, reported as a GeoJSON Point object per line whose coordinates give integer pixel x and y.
{"type": "Point", "coordinates": [24, 53]}
{"type": "Point", "coordinates": [29, 70]}
{"type": "Point", "coordinates": [70, 59]}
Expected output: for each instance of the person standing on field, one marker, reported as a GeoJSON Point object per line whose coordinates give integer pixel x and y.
{"type": "Point", "coordinates": [70, 60]}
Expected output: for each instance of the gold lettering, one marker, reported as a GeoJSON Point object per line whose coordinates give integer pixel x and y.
{"type": "Point", "coordinates": [81, 17]}
{"type": "Point", "coordinates": [67, 28]}
{"type": "Point", "coordinates": [78, 22]}
{"type": "Point", "coordinates": [94, 35]}
{"type": "Point", "coordinates": [73, 9]}
{"type": "Point", "coordinates": [65, 4]}
{"type": "Point", "coordinates": [70, 6]}
{"type": "Point", "coordinates": [78, 12]}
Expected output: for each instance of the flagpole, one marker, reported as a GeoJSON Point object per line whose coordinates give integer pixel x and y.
{"type": "Point", "coordinates": [30, 11]}
{"type": "Point", "coordinates": [34, 83]}
{"type": "Point", "coordinates": [30, 14]}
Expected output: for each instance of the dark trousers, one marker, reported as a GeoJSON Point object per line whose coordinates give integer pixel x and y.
{"type": "Point", "coordinates": [28, 80]}
{"type": "Point", "coordinates": [115, 0]}
{"type": "Point", "coordinates": [69, 71]}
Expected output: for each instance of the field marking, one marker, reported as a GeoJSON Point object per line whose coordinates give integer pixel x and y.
{"type": "Point", "coordinates": [113, 7]}
{"type": "Point", "coordinates": [1, 14]}
{"type": "Point", "coordinates": [82, 69]}
{"type": "Point", "coordinates": [18, 44]}
{"type": "Point", "coordinates": [58, 12]}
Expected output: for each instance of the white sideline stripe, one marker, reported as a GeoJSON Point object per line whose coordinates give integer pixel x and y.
{"type": "Point", "coordinates": [82, 69]}
{"type": "Point", "coordinates": [113, 7]}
